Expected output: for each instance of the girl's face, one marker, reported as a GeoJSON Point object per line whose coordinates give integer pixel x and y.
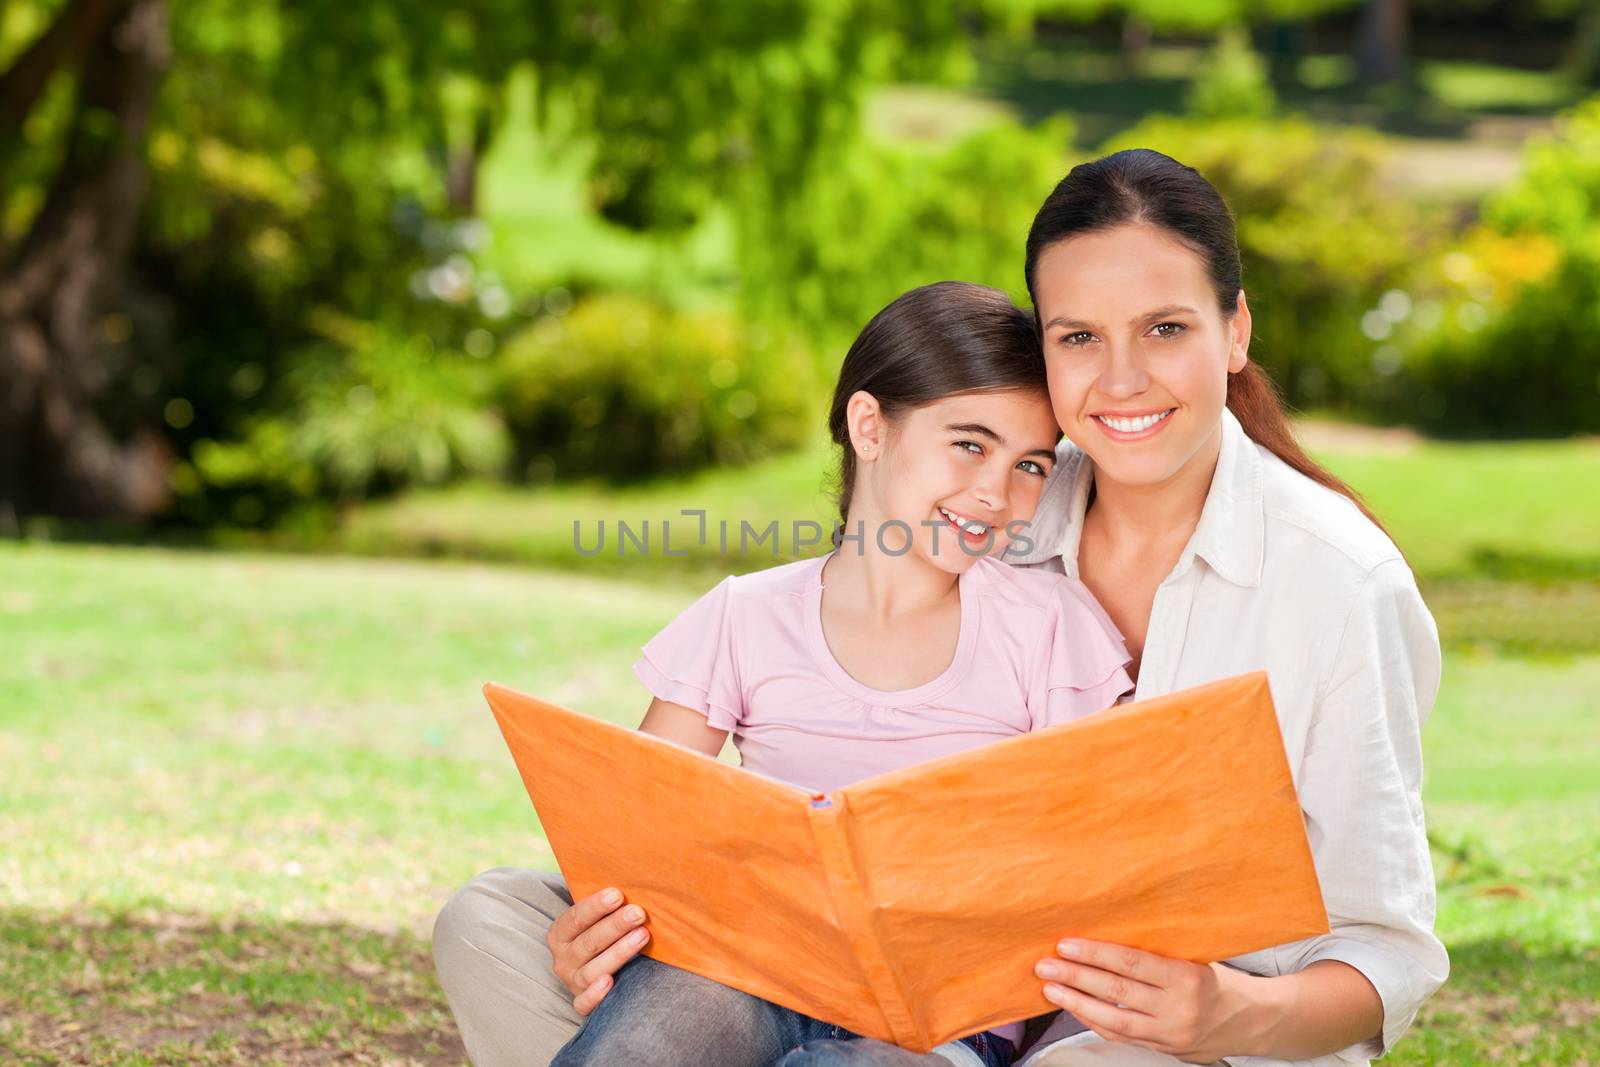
{"type": "Point", "coordinates": [1137, 351]}
{"type": "Point", "coordinates": [955, 472]}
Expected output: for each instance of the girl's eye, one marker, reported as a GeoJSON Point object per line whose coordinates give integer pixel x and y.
{"type": "Point", "coordinates": [971, 447]}
{"type": "Point", "coordinates": [1169, 329]}
{"type": "Point", "coordinates": [1082, 337]}
{"type": "Point", "coordinates": [1032, 466]}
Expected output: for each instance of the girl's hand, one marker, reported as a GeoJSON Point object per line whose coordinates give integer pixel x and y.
{"type": "Point", "coordinates": [1196, 1012]}
{"type": "Point", "coordinates": [590, 941]}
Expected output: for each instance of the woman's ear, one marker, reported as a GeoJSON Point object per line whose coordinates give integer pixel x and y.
{"type": "Point", "coordinates": [1239, 348]}
{"type": "Point", "coordinates": [864, 418]}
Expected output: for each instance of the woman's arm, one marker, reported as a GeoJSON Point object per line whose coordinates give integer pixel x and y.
{"type": "Point", "coordinates": [1200, 1013]}
{"type": "Point", "coordinates": [1360, 786]}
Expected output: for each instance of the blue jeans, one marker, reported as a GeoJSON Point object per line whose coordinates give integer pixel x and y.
{"type": "Point", "coordinates": [660, 1016]}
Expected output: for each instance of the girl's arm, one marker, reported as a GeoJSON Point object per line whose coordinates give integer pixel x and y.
{"type": "Point", "coordinates": [682, 726]}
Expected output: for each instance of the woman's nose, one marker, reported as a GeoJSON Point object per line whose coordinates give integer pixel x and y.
{"type": "Point", "coordinates": [1123, 373]}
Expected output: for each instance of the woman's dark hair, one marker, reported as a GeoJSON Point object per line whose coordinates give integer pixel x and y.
{"type": "Point", "coordinates": [1141, 185]}
{"type": "Point", "coordinates": [935, 341]}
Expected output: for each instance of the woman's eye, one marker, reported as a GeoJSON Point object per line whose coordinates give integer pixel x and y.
{"type": "Point", "coordinates": [971, 447]}
{"type": "Point", "coordinates": [1032, 467]}
{"type": "Point", "coordinates": [1169, 329]}
{"type": "Point", "coordinates": [1082, 337]}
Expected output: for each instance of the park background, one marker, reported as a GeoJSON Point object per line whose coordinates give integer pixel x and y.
{"type": "Point", "coordinates": [321, 324]}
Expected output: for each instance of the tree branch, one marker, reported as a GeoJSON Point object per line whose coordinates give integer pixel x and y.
{"type": "Point", "coordinates": [63, 44]}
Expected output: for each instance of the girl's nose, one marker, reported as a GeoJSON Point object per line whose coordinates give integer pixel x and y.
{"type": "Point", "coordinates": [991, 491]}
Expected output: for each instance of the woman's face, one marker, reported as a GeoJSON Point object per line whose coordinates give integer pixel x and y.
{"type": "Point", "coordinates": [955, 472]}
{"type": "Point", "coordinates": [1137, 351]}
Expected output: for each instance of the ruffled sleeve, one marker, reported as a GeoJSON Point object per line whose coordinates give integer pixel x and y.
{"type": "Point", "coordinates": [1081, 664]}
{"type": "Point", "coordinates": [692, 661]}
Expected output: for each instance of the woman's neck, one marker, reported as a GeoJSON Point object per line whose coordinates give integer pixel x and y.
{"type": "Point", "coordinates": [1138, 516]}
{"type": "Point", "coordinates": [863, 578]}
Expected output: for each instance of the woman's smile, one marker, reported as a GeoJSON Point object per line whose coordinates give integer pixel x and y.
{"type": "Point", "coordinates": [1121, 426]}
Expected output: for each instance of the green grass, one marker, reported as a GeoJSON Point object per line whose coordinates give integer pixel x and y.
{"type": "Point", "coordinates": [235, 788]}
{"type": "Point", "coordinates": [1459, 511]}
{"type": "Point", "coordinates": [1501, 534]}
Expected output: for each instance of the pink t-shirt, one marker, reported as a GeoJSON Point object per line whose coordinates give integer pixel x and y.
{"type": "Point", "coordinates": [1035, 649]}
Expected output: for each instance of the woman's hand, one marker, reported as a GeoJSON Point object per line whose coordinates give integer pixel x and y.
{"type": "Point", "coordinates": [590, 941]}
{"type": "Point", "coordinates": [1196, 1012]}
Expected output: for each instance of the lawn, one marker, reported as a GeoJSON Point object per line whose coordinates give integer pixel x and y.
{"type": "Point", "coordinates": [234, 788]}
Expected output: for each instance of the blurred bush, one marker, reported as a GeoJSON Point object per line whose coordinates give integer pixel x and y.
{"type": "Point", "coordinates": [892, 218]}
{"type": "Point", "coordinates": [625, 389]}
{"type": "Point", "coordinates": [1321, 235]}
{"type": "Point", "coordinates": [1233, 82]}
{"type": "Point", "coordinates": [365, 410]}
{"type": "Point", "coordinates": [1503, 337]}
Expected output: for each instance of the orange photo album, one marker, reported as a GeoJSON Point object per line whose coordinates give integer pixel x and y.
{"type": "Point", "coordinates": [911, 906]}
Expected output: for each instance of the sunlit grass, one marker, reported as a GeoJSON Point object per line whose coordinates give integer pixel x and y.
{"type": "Point", "coordinates": [234, 789]}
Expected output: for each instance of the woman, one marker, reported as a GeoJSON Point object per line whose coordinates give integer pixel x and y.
{"type": "Point", "coordinates": [1217, 547]}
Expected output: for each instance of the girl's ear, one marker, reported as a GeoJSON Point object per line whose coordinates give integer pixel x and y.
{"type": "Point", "coordinates": [864, 418]}
{"type": "Point", "coordinates": [1239, 348]}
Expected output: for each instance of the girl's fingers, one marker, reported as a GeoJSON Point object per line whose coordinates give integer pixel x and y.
{"type": "Point", "coordinates": [584, 913]}
{"type": "Point", "coordinates": [1103, 985]}
{"type": "Point", "coordinates": [610, 961]}
{"type": "Point", "coordinates": [590, 998]}
{"type": "Point", "coordinates": [606, 932]}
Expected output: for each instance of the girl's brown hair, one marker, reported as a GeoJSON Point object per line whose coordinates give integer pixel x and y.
{"type": "Point", "coordinates": [932, 342]}
{"type": "Point", "coordinates": [1142, 185]}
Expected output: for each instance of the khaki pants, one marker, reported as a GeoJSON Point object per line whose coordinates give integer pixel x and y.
{"type": "Point", "coordinates": [490, 952]}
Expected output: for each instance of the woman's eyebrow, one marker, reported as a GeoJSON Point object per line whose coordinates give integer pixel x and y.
{"type": "Point", "coordinates": [1149, 316]}
{"type": "Point", "coordinates": [1164, 312]}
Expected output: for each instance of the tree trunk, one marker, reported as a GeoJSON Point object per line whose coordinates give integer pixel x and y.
{"type": "Point", "coordinates": [56, 453]}
{"type": "Point", "coordinates": [1382, 46]}
{"type": "Point", "coordinates": [1582, 61]}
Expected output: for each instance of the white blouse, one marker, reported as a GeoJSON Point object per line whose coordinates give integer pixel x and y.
{"type": "Point", "coordinates": [1284, 575]}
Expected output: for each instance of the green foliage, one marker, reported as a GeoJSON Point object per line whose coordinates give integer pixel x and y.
{"type": "Point", "coordinates": [365, 410]}
{"type": "Point", "coordinates": [1232, 82]}
{"type": "Point", "coordinates": [833, 253]}
{"type": "Point", "coordinates": [625, 389]}
{"type": "Point", "coordinates": [1321, 235]}
{"type": "Point", "coordinates": [1504, 336]}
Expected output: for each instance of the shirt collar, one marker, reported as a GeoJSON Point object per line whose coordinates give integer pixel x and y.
{"type": "Point", "coordinates": [1229, 535]}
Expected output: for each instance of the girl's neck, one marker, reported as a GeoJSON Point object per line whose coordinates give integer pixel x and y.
{"type": "Point", "coordinates": [863, 578]}
{"type": "Point", "coordinates": [1142, 515]}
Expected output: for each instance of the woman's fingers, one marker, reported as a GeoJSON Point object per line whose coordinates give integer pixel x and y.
{"type": "Point", "coordinates": [1105, 985]}
{"type": "Point", "coordinates": [1129, 962]}
{"type": "Point", "coordinates": [608, 962]}
{"type": "Point", "coordinates": [1107, 1020]}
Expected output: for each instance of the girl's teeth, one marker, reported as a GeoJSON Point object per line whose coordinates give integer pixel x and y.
{"type": "Point", "coordinates": [1143, 422]}
{"type": "Point", "coordinates": [971, 526]}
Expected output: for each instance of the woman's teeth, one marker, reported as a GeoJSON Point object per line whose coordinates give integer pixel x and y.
{"type": "Point", "coordinates": [1134, 425]}
{"type": "Point", "coordinates": [966, 525]}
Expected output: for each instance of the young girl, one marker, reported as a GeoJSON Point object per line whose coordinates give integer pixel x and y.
{"type": "Point", "coordinates": [908, 641]}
